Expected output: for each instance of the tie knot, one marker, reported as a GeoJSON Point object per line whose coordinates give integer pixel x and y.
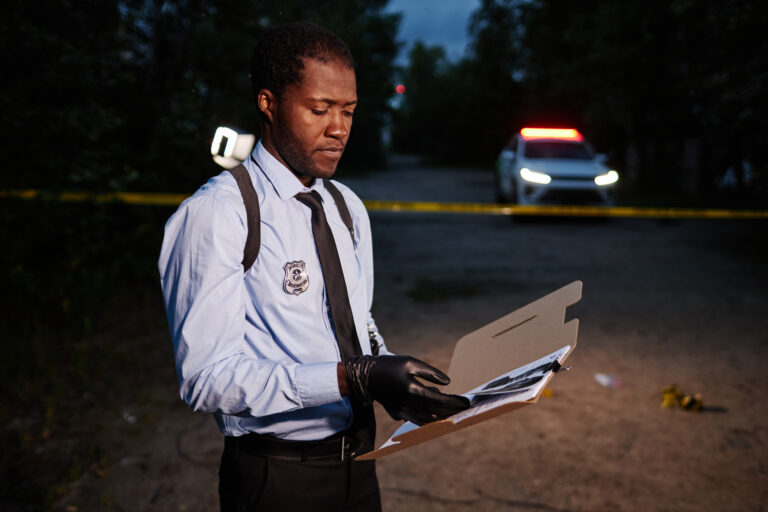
{"type": "Point", "coordinates": [311, 199]}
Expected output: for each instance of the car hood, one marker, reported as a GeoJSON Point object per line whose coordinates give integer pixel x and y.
{"type": "Point", "coordinates": [562, 167]}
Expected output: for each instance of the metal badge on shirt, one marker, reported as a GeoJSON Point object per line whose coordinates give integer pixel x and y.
{"type": "Point", "coordinates": [296, 279]}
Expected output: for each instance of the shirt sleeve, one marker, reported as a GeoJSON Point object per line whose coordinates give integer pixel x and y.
{"type": "Point", "coordinates": [203, 288]}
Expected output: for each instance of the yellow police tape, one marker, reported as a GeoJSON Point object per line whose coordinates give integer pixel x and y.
{"type": "Point", "coordinates": [563, 210]}
{"type": "Point", "coordinates": [162, 199]}
{"type": "Point", "coordinates": [143, 198]}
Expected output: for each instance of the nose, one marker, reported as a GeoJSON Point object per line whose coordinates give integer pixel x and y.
{"type": "Point", "coordinates": [338, 126]}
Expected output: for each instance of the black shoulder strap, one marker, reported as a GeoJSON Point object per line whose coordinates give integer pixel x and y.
{"type": "Point", "coordinates": [342, 207]}
{"type": "Point", "coordinates": [251, 200]}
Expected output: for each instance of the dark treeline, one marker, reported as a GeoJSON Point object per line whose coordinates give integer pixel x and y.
{"type": "Point", "coordinates": [120, 95]}
{"type": "Point", "coordinates": [673, 91]}
{"type": "Point", "coordinates": [126, 95]}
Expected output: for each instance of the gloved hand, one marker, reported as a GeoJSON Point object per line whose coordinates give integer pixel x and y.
{"type": "Point", "coordinates": [391, 381]}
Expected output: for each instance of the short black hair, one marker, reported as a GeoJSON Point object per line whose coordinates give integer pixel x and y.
{"type": "Point", "coordinates": [278, 59]}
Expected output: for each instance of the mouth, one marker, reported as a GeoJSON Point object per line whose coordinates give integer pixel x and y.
{"type": "Point", "coordinates": [332, 151]}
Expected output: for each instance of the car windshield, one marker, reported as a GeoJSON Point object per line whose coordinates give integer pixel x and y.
{"type": "Point", "coordinates": [549, 149]}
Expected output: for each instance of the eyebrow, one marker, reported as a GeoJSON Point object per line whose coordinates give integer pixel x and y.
{"type": "Point", "coordinates": [333, 102]}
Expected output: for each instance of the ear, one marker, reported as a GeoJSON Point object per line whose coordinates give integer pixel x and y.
{"type": "Point", "coordinates": [267, 104]}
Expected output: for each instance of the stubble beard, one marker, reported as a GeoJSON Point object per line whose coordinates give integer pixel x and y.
{"type": "Point", "coordinates": [300, 161]}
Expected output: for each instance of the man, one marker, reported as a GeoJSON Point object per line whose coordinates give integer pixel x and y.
{"type": "Point", "coordinates": [281, 354]}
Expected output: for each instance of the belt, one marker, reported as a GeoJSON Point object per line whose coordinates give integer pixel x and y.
{"type": "Point", "coordinates": [339, 446]}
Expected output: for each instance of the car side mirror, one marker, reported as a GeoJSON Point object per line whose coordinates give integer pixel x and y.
{"type": "Point", "coordinates": [508, 154]}
{"type": "Point", "coordinates": [601, 158]}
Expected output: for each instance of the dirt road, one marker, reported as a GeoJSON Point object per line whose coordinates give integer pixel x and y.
{"type": "Point", "coordinates": [663, 302]}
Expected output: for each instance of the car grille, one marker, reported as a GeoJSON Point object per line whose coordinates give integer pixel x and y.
{"type": "Point", "coordinates": [565, 196]}
{"type": "Point", "coordinates": [572, 178]}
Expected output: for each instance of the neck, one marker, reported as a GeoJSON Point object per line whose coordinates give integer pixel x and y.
{"type": "Point", "coordinates": [266, 141]}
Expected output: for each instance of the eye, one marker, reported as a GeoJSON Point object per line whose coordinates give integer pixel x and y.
{"type": "Point", "coordinates": [348, 113]}
{"type": "Point", "coordinates": [318, 112]}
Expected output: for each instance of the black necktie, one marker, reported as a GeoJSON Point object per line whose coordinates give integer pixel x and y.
{"type": "Point", "coordinates": [363, 428]}
{"type": "Point", "coordinates": [335, 286]}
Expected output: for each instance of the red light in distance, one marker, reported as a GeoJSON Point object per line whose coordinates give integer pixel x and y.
{"type": "Point", "coordinates": [400, 89]}
{"type": "Point", "coordinates": [551, 133]}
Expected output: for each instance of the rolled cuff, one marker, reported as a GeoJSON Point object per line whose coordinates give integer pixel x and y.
{"type": "Point", "coordinates": [317, 384]}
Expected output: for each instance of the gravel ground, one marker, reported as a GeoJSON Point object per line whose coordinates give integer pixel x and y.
{"type": "Point", "coordinates": [667, 302]}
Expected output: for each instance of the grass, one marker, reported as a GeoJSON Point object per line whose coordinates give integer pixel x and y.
{"type": "Point", "coordinates": [79, 282]}
{"type": "Point", "coordinates": [69, 414]}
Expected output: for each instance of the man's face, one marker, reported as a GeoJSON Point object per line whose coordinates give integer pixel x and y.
{"type": "Point", "coordinates": [312, 119]}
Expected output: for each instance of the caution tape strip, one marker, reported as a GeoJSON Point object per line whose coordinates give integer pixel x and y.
{"type": "Point", "coordinates": [143, 198]}
{"type": "Point", "coordinates": [164, 199]}
{"type": "Point", "coordinates": [564, 210]}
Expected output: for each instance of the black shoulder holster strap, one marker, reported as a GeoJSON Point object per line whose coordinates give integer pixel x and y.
{"type": "Point", "coordinates": [251, 201]}
{"type": "Point", "coordinates": [341, 205]}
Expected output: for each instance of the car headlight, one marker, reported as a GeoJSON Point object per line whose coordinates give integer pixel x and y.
{"type": "Point", "coordinates": [608, 178]}
{"type": "Point", "coordinates": [534, 176]}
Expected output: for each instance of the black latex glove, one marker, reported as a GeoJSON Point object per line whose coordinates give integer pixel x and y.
{"type": "Point", "coordinates": [391, 381]}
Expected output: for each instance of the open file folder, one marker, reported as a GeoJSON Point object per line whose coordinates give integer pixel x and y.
{"type": "Point", "coordinates": [501, 367]}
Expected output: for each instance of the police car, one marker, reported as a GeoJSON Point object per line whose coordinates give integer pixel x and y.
{"type": "Point", "coordinates": [552, 165]}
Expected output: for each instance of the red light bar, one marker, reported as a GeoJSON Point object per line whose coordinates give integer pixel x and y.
{"type": "Point", "coordinates": [551, 133]}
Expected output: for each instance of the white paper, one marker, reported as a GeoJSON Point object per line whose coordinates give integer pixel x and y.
{"type": "Point", "coordinates": [519, 385]}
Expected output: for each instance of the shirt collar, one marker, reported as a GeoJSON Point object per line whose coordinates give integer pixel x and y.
{"type": "Point", "coordinates": [285, 183]}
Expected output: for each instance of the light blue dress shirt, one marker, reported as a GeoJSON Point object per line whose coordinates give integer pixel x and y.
{"type": "Point", "coordinates": [259, 358]}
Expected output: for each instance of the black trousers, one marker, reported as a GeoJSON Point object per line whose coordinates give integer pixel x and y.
{"type": "Point", "coordinates": [255, 483]}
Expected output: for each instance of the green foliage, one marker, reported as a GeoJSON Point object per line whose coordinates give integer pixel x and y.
{"type": "Point", "coordinates": [464, 111]}
{"type": "Point", "coordinates": [650, 79]}
{"type": "Point", "coordinates": [673, 91]}
{"type": "Point", "coordinates": [67, 265]}
{"type": "Point", "coordinates": [120, 95]}
{"type": "Point", "coordinates": [62, 259]}
{"type": "Point", "coordinates": [419, 122]}
{"type": "Point", "coordinates": [126, 95]}
{"type": "Point", "coordinates": [59, 97]}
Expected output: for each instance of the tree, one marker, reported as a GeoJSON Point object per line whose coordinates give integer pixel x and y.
{"type": "Point", "coordinates": [673, 91]}
{"type": "Point", "coordinates": [115, 95]}
{"type": "Point", "coordinates": [496, 67]}
{"type": "Point", "coordinates": [60, 100]}
{"type": "Point", "coordinates": [127, 93]}
{"type": "Point", "coordinates": [670, 87]}
{"type": "Point", "coordinates": [464, 111]}
{"type": "Point", "coordinates": [419, 125]}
